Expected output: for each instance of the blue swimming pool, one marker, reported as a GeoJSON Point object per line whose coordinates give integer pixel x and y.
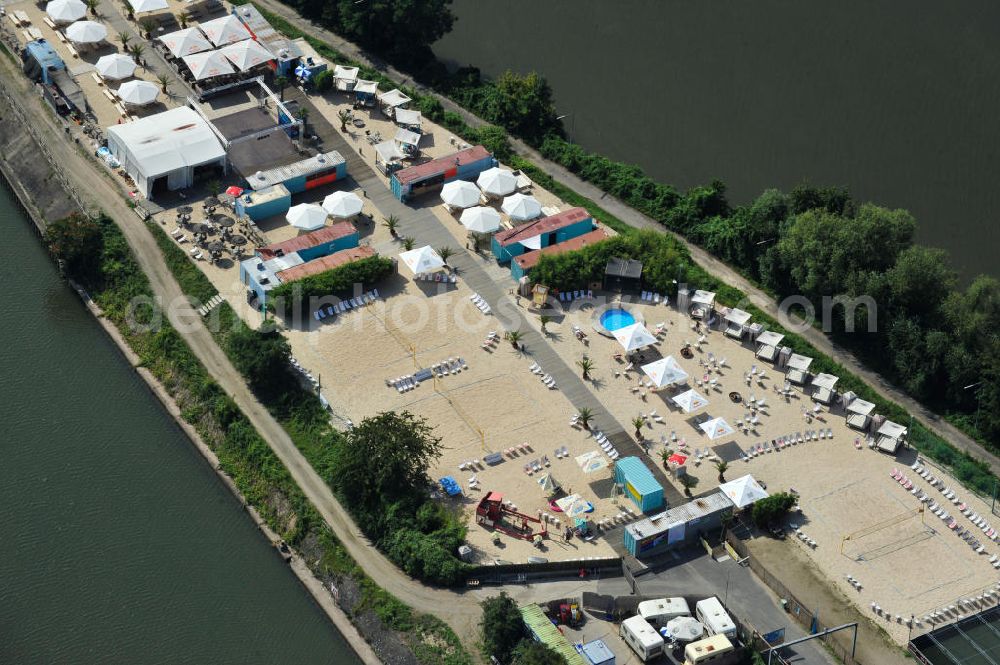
{"type": "Point", "coordinates": [613, 319]}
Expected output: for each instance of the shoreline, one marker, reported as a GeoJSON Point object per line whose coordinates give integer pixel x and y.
{"type": "Point", "coordinates": [320, 595]}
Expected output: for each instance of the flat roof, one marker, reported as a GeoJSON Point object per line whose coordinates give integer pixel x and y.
{"type": "Point", "coordinates": [44, 54]}
{"type": "Point", "coordinates": [440, 165]}
{"type": "Point", "coordinates": [267, 152]}
{"type": "Point", "coordinates": [530, 259]}
{"type": "Point", "coordinates": [801, 363]}
{"type": "Point", "coordinates": [243, 123]}
{"type": "Point", "coordinates": [701, 507]}
{"type": "Point", "coordinates": [770, 338]}
{"type": "Point", "coordinates": [860, 407]}
{"type": "Point", "coordinates": [270, 268]}
{"type": "Point", "coordinates": [638, 475]}
{"type": "Point", "coordinates": [261, 30]}
{"type": "Point", "coordinates": [738, 317]}
{"type": "Point", "coordinates": [325, 234]}
{"type": "Point", "coordinates": [827, 381]}
{"type": "Point", "coordinates": [325, 263]}
{"type": "Point", "coordinates": [321, 162]}
{"type": "Point", "coordinates": [540, 226]}
{"type": "Point", "coordinates": [621, 267]}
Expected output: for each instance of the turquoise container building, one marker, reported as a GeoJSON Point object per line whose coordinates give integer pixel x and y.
{"type": "Point", "coordinates": [638, 484]}
{"type": "Point", "coordinates": [541, 233]}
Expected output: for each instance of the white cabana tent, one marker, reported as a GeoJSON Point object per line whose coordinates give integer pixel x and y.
{"type": "Point", "coordinates": [306, 216]}
{"type": "Point", "coordinates": [387, 152]}
{"type": "Point", "coordinates": [497, 182]}
{"type": "Point", "coordinates": [859, 414]}
{"type": "Point", "coordinates": [665, 372]}
{"type": "Point", "coordinates": [224, 30]}
{"type": "Point", "coordinates": [716, 428]}
{"type": "Point", "coordinates": [166, 146]}
{"type": "Point", "coordinates": [460, 194]}
{"type": "Point", "coordinates": [344, 78]}
{"type": "Point", "coordinates": [767, 345]}
{"type": "Point", "coordinates": [480, 219]}
{"type": "Point", "coordinates": [409, 142]}
{"type": "Point", "coordinates": [743, 491]}
{"type": "Point", "coordinates": [521, 207]}
{"type": "Point", "coordinates": [185, 42]}
{"type": "Point", "coordinates": [409, 119]}
{"type": "Point", "coordinates": [798, 368]}
{"type": "Point", "coordinates": [138, 93]}
{"type": "Point", "coordinates": [146, 6]}
{"type": "Point", "coordinates": [890, 435]}
{"type": "Point", "coordinates": [634, 337]}
{"type": "Point", "coordinates": [66, 11]}
{"type": "Point", "coordinates": [690, 400]}
{"type": "Point", "coordinates": [366, 87]}
{"type": "Point", "coordinates": [702, 304]}
{"type": "Point", "coordinates": [86, 32]}
{"type": "Point", "coordinates": [737, 320]}
{"type": "Point", "coordinates": [823, 384]}
{"type": "Point", "coordinates": [548, 483]}
{"type": "Point", "coordinates": [685, 629]}
{"type": "Point", "coordinates": [422, 259]}
{"type": "Point", "coordinates": [343, 205]}
{"type": "Point", "coordinates": [115, 66]}
{"type": "Point", "coordinates": [391, 99]}
{"type": "Point", "coordinates": [207, 64]}
{"type": "Point", "coordinates": [591, 462]}
{"type": "Point", "coordinates": [246, 54]}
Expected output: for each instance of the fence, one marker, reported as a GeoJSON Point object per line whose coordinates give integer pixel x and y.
{"type": "Point", "coordinates": [520, 573]}
{"type": "Point", "coordinates": [802, 614]}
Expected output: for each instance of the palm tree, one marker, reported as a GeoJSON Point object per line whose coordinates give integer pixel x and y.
{"type": "Point", "coordinates": [445, 252]}
{"type": "Point", "coordinates": [303, 115]}
{"type": "Point", "coordinates": [124, 38]}
{"type": "Point", "coordinates": [164, 81]}
{"type": "Point", "coordinates": [281, 82]}
{"type": "Point", "coordinates": [136, 50]}
{"type": "Point", "coordinates": [514, 337]}
{"type": "Point", "coordinates": [545, 319]}
{"type": "Point", "coordinates": [408, 243]}
{"type": "Point", "coordinates": [638, 422]}
{"type": "Point", "coordinates": [129, 12]}
{"type": "Point", "coordinates": [91, 6]}
{"type": "Point", "coordinates": [688, 482]}
{"type": "Point", "coordinates": [344, 115]}
{"type": "Point", "coordinates": [182, 19]}
{"type": "Point", "coordinates": [392, 223]}
{"type": "Point", "coordinates": [721, 467]}
{"type": "Point", "coordinates": [665, 456]}
{"type": "Point", "coordinates": [585, 364]}
{"type": "Point", "coordinates": [147, 25]}
{"type": "Point", "coordinates": [585, 416]}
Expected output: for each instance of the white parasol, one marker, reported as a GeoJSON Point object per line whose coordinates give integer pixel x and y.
{"type": "Point", "coordinates": [521, 207]}
{"type": "Point", "coordinates": [480, 219]}
{"type": "Point", "coordinates": [343, 205]}
{"type": "Point", "coordinates": [460, 194]}
{"type": "Point", "coordinates": [306, 216]}
{"type": "Point", "coordinates": [497, 181]}
{"type": "Point", "coordinates": [115, 66]}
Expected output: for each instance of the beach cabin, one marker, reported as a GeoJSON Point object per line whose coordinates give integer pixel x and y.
{"type": "Point", "coordinates": [823, 385]}
{"type": "Point", "coordinates": [408, 119]}
{"type": "Point", "coordinates": [889, 437]}
{"type": "Point", "coordinates": [541, 233]}
{"type": "Point", "coordinates": [859, 412]}
{"type": "Point", "coordinates": [303, 175]}
{"type": "Point", "coordinates": [365, 91]}
{"type": "Point", "coordinates": [389, 101]}
{"type": "Point", "coordinates": [309, 246]}
{"type": "Point", "coordinates": [677, 527]}
{"type": "Point", "coordinates": [344, 78]}
{"type": "Point", "coordinates": [541, 629]}
{"type": "Point", "coordinates": [622, 274]}
{"type": "Point", "coordinates": [767, 345]}
{"type": "Point", "coordinates": [431, 176]}
{"type": "Point", "coordinates": [388, 157]}
{"type": "Point", "coordinates": [522, 265]}
{"type": "Point", "coordinates": [797, 369]}
{"type": "Point", "coordinates": [638, 484]}
{"type": "Point", "coordinates": [260, 276]}
{"type": "Point", "coordinates": [264, 203]}
{"type": "Point", "coordinates": [736, 323]}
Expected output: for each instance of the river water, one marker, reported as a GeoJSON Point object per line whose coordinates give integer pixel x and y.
{"type": "Point", "coordinates": [896, 100]}
{"type": "Point", "coordinates": [120, 545]}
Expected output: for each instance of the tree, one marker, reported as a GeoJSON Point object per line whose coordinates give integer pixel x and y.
{"type": "Point", "coordinates": [323, 82]}
{"type": "Point", "coordinates": [303, 115]}
{"type": "Point", "coordinates": [124, 38]}
{"type": "Point", "coordinates": [392, 223]}
{"type": "Point", "coordinates": [530, 652]}
{"type": "Point", "coordinates": [445, 253]}
{"type": "Point", "coordinates": [544, 319]}
{"type": "Point", "coordinates": [585, 416]}
{"type": "Point", "coordinates": [638, 423]}
{"type": "Point", "coordinates": [521, 104]}
{"type": "Point", "coordinates": [164, 81]}
{"type": "Point", "coordinates": [263, 358]}
{"type": "Point", "coordinates": [665, 456]}
{"type": "Point", "coordinates": [721, 466]}
{"type": "Point", "coordinates": [343, 115]}
{"type": "Point", "coordinates": [770, 509]}
{"type": "Point", "coordinates": [147, 25]}
{"type": "Point", "coordinates": [514, 337]}
{"type": "Point", "coordinates": [129, 12]}
{"type": "Point", "coordinates": [281, 82]}
{"type": "Point", "coordinates": [384, 460]}
{"type": "Point", "coordinates": [214, 187]}
{"type": "Point", "coordinates": [501, 626]}
{"type": "Point", "coordinates": [401, 30]}
{"type": "Point", "coordinates": [409, 242]}
{"type": "Point", "coordinates": [687, 482]}
{"type": "Point", "coordinates": [137, 50]}
{"type": "Point", "coordinates": [586, 365]}
{"type": "Point", "coordinates": [77, 242]}
{"type": "Point", "coordinates": [182, 19]}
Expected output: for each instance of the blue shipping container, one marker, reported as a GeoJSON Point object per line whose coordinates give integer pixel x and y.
{"type": "Point", "coordinates": [638, 484]}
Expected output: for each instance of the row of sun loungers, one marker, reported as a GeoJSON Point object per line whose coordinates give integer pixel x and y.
{"type": "Point", "coordinates": [783, 442]}
{"type": "Point", "coordinates": [561, 452]}
{"type": "Point", "coordinates": [346, 305]}
{"type": "Point", "coordinates": [655, 298]}
{"type": "Point", "coordinates": [803, 537]}
{"type": "Point", "coordinates": [491, 340]}
{"type": "Point", "coordinates": [435, 277]}
{"type": "Point", "coordinates": [536, 465]}
{"type": "Point", "coordinates": [481, 303]}
{"type": "Point", "coordinates": [304, 372]}
{"type": "Point", "coordinates": [546, 378]}
{"type": "Point", "coordinates": [962, 507]}
{"type": "Point", "coordinates": [213, 302]}
{"type": "Point", "coordinates": [606, 446]}
{"type": "Point", "coordinates": [949, 613]}
{"type": "Point", "coordinates": [450, 366]}
{"type": "Point", "coordinates": [570, 296]}
{"type": "Point", "coordinates": [519, 449]}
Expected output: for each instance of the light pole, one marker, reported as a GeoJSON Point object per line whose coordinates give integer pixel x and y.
{"type": "Point", "coordinates": [572, 123]}
{"type": "Point", "coordinates": [979, 401]}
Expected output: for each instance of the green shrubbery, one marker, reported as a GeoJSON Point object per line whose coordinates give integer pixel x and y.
{"type": "Point", "coordinates": [504, 636]}
{"type": "Point", "coordinates": [340, 281]}
{"type": "Point", "coordinates": [770, 509]}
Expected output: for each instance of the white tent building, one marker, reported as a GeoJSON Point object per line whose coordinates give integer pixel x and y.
{"type": "Point", "coordinates": [344, 78]}
{"type": "Point", "coordinates": [736, 322]}
{"type": "Point", "coordinates": [743, 491]}
{"type": "Point", "coordinates": [665, 372]}
{"type": "Point", "coordinates": [767, 345]}
{"type": "Point", "coordinates": [798, 368]}
{"type": "Point", "coordinates": [634, 337]}
{"type": "Point", "coordinates": [165, 148]}
{"type": "Point", "coordinates": [823, 385]}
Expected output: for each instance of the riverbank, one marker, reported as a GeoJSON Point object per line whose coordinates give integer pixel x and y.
{"type": "Point", "coordinates": [30, 176]}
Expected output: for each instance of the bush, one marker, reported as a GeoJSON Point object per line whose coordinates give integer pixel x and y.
{"type": "Point", "coordinates": [323, 82]}
{"type": "Point", "coordinates": [76, 240]}
{"type": "Point", "coordinates": [339, 281]}
{"type": "Point", "coordinates": [769, 510]}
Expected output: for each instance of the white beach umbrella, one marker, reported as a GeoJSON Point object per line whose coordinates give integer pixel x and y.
{"type": "Point", "coordinates": [343, 204]}
{"type": "Point", "coordinates": [716, 428]}
{"type": "Point", "coordinates": [743, 491]}
{"type": "Point", "coordinates": [145, 6]}
{"type": "Point", "coordinates": [207, 64]}
{"type": "Point", "coordinates": [86, 32]}
{"type": "Point", "coordinates": [115, 66]}
{"type": "Point", "coordinates": [185, 42]}
{"type": "Point", "coordinates": [138, 93]}
{"type": "Point", "coordinates": [665, 371]}
{"type": "Point", "coordinates": [306, 216]}
{"type": "Point", "coordinates": [685, 629]}
{"type": "Point", "coordinates": [422, 259]}
{"type": "Point", "coordinates": [521, 207]}
{"type": "Point", "coordinates": [460, 194]}
{"type": "Point", "coordinates": [246, 54]}
{"type": "Point", "coordinates": [548, 483]}
{"type": "Point", "coordinates": [66, 11]}
{"type": "Point", "coordinates": [592, 461]}
{"type": "Point", "coordinates": [497, 181]}
{"type": "Point", "coordinates": [224, 30]}
{"type": "Point", "coordinates": [480, 219]}
{"type": "Point", "coordinates": [634, 337]}
{"type": "Point", "coordinates": [690, 400]}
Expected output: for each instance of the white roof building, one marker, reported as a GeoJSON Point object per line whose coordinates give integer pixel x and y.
{"type": "Point", "coordinates": [168, 145]}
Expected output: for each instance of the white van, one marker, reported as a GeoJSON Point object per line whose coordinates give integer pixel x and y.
{"type": "Point", "coordinates": [715, 649]}
{"type": "Point", "coordinates": [711, 614]}
{"type": "Point", "coordinates": [661, 610]}
{"type": "Point", "coordinates": [643, 638]}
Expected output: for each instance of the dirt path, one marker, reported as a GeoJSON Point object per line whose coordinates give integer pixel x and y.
{"type": "Point", "coordinates": [461, 612]}
{"type": "Point", "coordinates": [805, 581]}
{"type": "Point", "coordinates": [636, 219]}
